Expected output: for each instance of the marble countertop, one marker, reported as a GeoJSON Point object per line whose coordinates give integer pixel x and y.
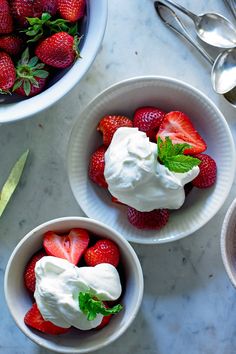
{"type": "Point", "coordinates": [189, 302]}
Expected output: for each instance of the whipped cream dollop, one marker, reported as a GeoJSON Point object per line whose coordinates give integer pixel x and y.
{"type": "Point", "coordinates": [135, 176]}
{"type": "Point", "coordinates": [58, 284]}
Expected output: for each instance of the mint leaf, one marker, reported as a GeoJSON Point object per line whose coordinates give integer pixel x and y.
{"type": "Point", "coordinates": [91, 307]}
{"type": "Point", "coordinates": [172, 156]}
{"type": "Point", "coordinates": [181, 163]}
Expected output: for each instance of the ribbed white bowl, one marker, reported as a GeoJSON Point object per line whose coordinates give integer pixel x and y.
{"type": "Point", "coordinates": [168, 94]}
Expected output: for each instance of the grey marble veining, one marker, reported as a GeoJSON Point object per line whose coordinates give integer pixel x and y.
{"type": "Point", "coordinates": [189, 304]}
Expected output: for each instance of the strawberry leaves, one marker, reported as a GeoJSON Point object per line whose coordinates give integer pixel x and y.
{"type": "Point", "coordinates": [172, 156]}
{"type": "Point", "coordinates": [91, 307]}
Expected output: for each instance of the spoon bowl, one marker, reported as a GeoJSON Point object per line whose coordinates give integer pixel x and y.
{"type": "Point", "coordinates": [224, 71]}
{"type": "Point", "coordinates": [211, 28]}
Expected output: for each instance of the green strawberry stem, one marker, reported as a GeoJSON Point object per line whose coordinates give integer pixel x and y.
{"type": "Point", "coordinates": [91, 307]}
{"type": "Point", "coordinates": [77, 40]}
{"type": "Point", "coordinates": [38, 26]}
{"type": "Point", "coordinates": [172, 156]}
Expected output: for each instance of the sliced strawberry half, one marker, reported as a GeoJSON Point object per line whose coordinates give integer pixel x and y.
{"type": "Point", "coordinates": [178, 127]}
{"type": "Point", "coordinates": [34, 319]}
{"type": "Point", "coordinates": [70, 247]}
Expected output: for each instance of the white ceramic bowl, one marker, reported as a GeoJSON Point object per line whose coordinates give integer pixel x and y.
{"type": "Point", "coordinates": [19, 301]}
{"type": "Point", "coordinates": [168, 94]}
{"type": "Point", "coordinates": [93, 30]}
{"type": "Point", "coordinates": [228, 242]}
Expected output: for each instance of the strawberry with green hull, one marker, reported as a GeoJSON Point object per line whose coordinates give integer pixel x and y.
{"type": "Point", "coordinates": [59, 50]}
{"type": "Point", "coordinates": [11, 44]}
{"type": "Point", "coordinates": [109, 124]}
{"type": "Point", "coordinates": [148, 119]}
{"type": "Point", "coordinates": [31, 76]}
{"type": "Point", "coordinates": [178, 127]}
{"type": "Point", "coordinates": [71, 10]}
{"type": "Point", "coordinates": [7, 73]}
{"type": "Point", "coordinates": [34, 319]}
{"type": "Point", "coordinates": [6, 21]}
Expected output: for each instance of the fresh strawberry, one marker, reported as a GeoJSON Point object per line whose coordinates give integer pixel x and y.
{"type": "Point", "coordinates": [6, 21]}
{"type": "Point", "coordinates": [29, 275]}
{"type": "Point", "coordinates": [7, 72]}
{"type": "Point", "coordinates": [58, 50]}
{"type": "Point", "coordinates": [31, 76]}
{"type": "Point", "coordinates": [148, 120]}
{"type": "Point", "coordinates": [178, 127]}
{"type": "Point", "coordinates": [71, 10]}
{"type": "Point", "coordinates": [34, 319]}
{"type": "Point", "coordinates": [109, 124]}
{"type": "Point", "coordinates": [96, 167]}
{"type": "Point", "coordinates": [26, 8]}
{"type": "Point", "coordinates": [106, 319]}
{"type": "Point", "coordinates": [50, 6]}
{"type": "Point", "coordinates": [70, 247]}
{"type": "Point", "coordinates": [152, 220]}
{"type": "Point", "coordinates": [11, 44]}
{"type": "Point", "coordinates": [208, 170]}
{"type": "Point", "coordinates": [104, 251]}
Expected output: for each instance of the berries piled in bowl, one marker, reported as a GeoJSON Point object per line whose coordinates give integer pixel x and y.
{"type": "Point", "coordinates": [193, 116]}
{"type": "Point", "coordinates": [45, 46]}
{"type": "Point", "coordinates": [73, 285]}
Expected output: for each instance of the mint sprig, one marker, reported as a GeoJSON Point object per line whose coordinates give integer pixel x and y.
{"type": "Point", "coordinates": [91, 307]}
{"type": "Point", "coordinates": [172, 156]}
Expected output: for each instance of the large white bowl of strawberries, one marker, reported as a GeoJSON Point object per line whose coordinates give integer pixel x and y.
{"type": "Point", "coordinates": [73, 285]}
{"type": "Point", "coordinates": [46, 46]}
{"type": "Point", "coordinates": [152, 157]}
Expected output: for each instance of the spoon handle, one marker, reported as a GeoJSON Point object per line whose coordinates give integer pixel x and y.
{"type": "Point", "coordinates": [182, 9]}
{"type": "Point", "coordinates": [169, 17]}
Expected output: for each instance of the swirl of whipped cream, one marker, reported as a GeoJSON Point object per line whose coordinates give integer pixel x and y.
{"type": "Point", "coordinates": [135, 176]}
{"type": "Point", "coordinates": [58, 284]}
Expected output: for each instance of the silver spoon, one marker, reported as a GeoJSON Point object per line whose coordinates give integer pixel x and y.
{"type": "Point", "coordinates": [218, 73]}
{"type": "Point", "coordinates": [211, 28]}
{"type": "Point", "coordinates": [232, 6]}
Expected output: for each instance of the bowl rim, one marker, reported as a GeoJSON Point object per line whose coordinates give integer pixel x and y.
{"type": "Point", "coordinates": [132, 253]}
{"type": "Point", "coordinates": [133, 80]}
{"type": "Point", "coordinates": [47, 98]}
{"type": "Point", "coordinates": [223, 240]}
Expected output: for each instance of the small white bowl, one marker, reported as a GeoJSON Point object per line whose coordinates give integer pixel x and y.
{"type": "Point", "coordinates": [19, 301]}
{"type": "Point", "coordinates": [168, 94]}
{"type": "Point", "coordinates": [228, 242]}
{"type": "Point", "coordinates": [96, 18]}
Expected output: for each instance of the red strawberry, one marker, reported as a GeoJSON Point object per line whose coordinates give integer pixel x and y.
{"type": "Point", "coordinates": [11, 44]}
{"type": "Point", "coordinates": [31, 76]}
{"type": "Point", "coordinates": [71, 10]}
{"type": "Point", "coordinates": [58, 50]}
{"type": "Point", "coordinates": [34, 319]}
{"type": "Point", "coordinates": [148, 120]}
{"type": "Point", "coordinates": [7, 72]}
{"type": "Point", "coordinates": [70, 247]}
{"type": "Point", "coordinates": [178, 127]}
{"type": "Point", "coordinates": [96, 167]}
{"type": "Point", "coordinates": [108, 125]}
{"type": "Point", "coordinates": [26, 8]}
{"type": "Point", "coordinates": [29, 275]}
{"type": "Point", "coordinates": [208, 170]}
{"type": "Point", "coordinates": [152, 220]}
{"type": "Point", "coordinates": [50, 6]}
{"type": "Point", "coordinates": [105, 320]}
{"type": "Point", "coordinates": [104, 251]}
{"type": "Point", "coordinates": [6, 22]}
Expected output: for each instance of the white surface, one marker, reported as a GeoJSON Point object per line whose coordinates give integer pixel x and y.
{"type": "Point", "coordinates": [95, 30]}
{"type": "Point", "coordinates": [19, 301]}
{"type": "Point", "coordinates": [168, 95]}
{"type": "Point", "coordinates": [189, 302]}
